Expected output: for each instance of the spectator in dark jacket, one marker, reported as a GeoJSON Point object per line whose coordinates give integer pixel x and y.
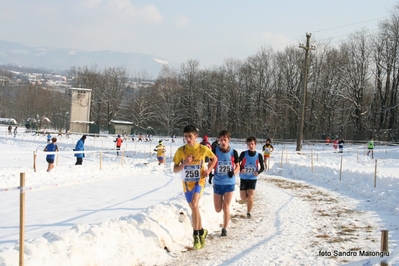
{"type": "Point", "coordinates": [214, 145]}
{"type": "Point", "coordinates": [80, 146]}
{"type": "Point", "coordinates": [341, 143]}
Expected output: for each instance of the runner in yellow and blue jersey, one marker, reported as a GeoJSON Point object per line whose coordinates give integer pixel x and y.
{"type": "Point", "coordinates": [267, 150]}
{"type": "Point", "coordinates": [160, 149]}
{"type": "Point", "coordinates": [189, 160]}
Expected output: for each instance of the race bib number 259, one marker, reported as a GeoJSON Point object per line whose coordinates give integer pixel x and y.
{"type": "Point", "coordinates": [192, 173]}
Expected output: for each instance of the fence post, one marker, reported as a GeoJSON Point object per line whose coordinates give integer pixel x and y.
{"type": "Point", "coordinates": [311, 158]}
{"type": "Point", "coordinates": [384, 244]}
{"type": "Point", "coordinates": [150, 149]}
{"type": "Point", "coordinates": [282, 156]}
{"type": "Point", "coordinates": [101, 160]}
{"type": "Point", "coordinates": [34, 160]}
{"type": "Point", "coordinates": [123, 153]}
{"type": "Point", "coordinates": [286, 155]}
{"type": "Point", "coordinates": [340, 169]}
{"type": "Point", "coordinates": [21, 218]}
{"type": "Point", "coordinates": [375, 173]}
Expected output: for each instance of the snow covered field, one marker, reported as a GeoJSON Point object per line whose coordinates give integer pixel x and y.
{"type": "Point", "coordinates": [133, 212]}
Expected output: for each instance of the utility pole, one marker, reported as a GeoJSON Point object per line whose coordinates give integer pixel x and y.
{"type": "Point", "coordinates": [305, 82]}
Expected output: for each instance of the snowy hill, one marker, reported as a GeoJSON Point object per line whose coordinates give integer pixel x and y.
{"type": "Point", "coordinates": [63, 58]}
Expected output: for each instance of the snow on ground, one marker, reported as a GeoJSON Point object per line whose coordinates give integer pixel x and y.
{"type": "Point", "coordinates": [132, 211]}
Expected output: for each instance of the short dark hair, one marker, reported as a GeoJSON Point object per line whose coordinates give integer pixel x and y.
{"type": "Point", "coordinates": [225, 133]}
{"type": "Point", "coordinates": [84, 136]}
{"type": "Point", "coordinates": [250, 139]}
{"type": "Point", "coordinates": [268, 140]}
{"type": "Point", "coordinates": [190, 129]}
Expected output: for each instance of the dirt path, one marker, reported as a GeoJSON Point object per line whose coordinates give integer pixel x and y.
{"type": "Point", "coordinates": [291, 223]}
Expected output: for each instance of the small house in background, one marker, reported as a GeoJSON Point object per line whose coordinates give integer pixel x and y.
{"type": "Point", "coordinates": [45, 121]}
{"type": "Point", "coordinates": [120, 127]}
{"type": "Point", "coordinates": [79, 119]}
{"type": "Point", "coordinates": [8, 121]}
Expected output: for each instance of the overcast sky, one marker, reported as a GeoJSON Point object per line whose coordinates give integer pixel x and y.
{"type": "Point", "coordinates": [209, 31]}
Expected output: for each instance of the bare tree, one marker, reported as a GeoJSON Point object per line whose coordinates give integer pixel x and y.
{"type": "Point", "coordinates": [5, 79]}
{"type": "Point", "coordinates": [188, 79]}
{"type": "Point", "coordinates": [386, 71]}
{"type": "Point", "coordinates": [354, 81]}
{"type": "Point", "coordinates": [231, 89]}
{"type": "Point", "coordinates": [112, 90]}
{"type": "Point", "coordinates": [287, 89]}
{"type": "Point", "coordinates": [141, 105]}
{"type": "Point", "coordinates": [261, 66]}
{"type": "Point", "coordinates": [321, 98]}
{"type": "Point", "coordinates": [168, 103]}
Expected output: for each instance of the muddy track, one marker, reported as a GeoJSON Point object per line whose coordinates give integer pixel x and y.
{"type": "Point", "coordinates": [306, 219]}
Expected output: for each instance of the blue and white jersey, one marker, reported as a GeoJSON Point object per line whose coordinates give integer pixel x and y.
{"type": "Point", "coordinates": [225, 164]}
{"type": "Point", "coordinates": [250, 165]}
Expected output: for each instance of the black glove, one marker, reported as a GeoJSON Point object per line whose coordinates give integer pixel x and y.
{"type": "Point", "coordinates": [210, 178]}
{"type": "Point", "coordinates": [155, 150]}
{"type": "Point", "coordinates": [230, 174]}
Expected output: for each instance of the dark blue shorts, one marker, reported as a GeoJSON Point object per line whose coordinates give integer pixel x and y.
{"type": "Point", "coordinates": [50, 160]}
{"type": "Point", "coordinates": [221, 189]}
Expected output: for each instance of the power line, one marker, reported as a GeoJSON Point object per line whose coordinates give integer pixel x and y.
{"type": "Point", "coordinates": [347, 25]}
{"type": "Point", "coordinates": [296, 39]}
{"type": "Point", "coordinates": [333, 37]}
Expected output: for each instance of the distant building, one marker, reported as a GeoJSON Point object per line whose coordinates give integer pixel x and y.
{"type": "Point", "coordinates": [79, 118]}
{"type": "Point", "coordinates": [8, 121]}
{"type": "Point", "coordinates": [120, 127]}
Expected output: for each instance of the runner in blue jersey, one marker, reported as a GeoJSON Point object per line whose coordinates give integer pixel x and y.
{"type": "Point", "coordinates": [251, 165]}
{"type": "Point", "coordinates": [51, 147]}
{"type": "Point", "coordinates": [224, 180]}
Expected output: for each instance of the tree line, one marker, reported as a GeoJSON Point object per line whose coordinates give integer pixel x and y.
{"type": "Point", "coordinates": [352, 92]}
